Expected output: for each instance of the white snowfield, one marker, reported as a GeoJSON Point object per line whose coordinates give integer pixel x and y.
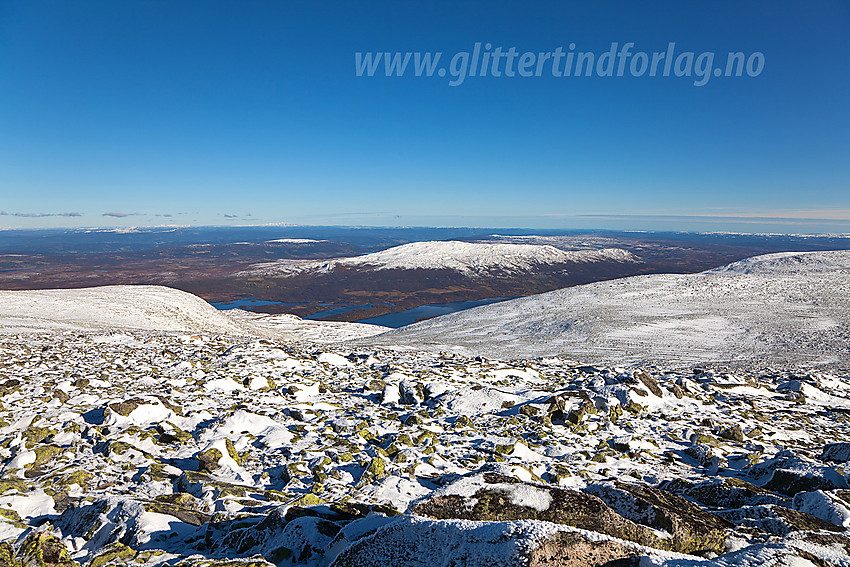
{"type": "Point", "coordinates": [304, 330]}
{"type": "Point", "coordinates": [157, 308]}
{"type": "Point", "coordinates": [469, 258]}
{"type": "Point", "coordinates": [776, 308]}
{"type": "Point", "coordinates": [143, 307]}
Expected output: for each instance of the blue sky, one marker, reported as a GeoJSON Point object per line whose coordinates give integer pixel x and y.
{"type": "Point", "coordinates": [232, 113]}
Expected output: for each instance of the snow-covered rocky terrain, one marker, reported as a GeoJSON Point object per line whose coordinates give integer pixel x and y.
{"type": "Point", "coordinates": [786, 308]}
{"type": "Point", "coordinates": [468, 258]}
{"type": "Point", "coordinates": [236, 441]}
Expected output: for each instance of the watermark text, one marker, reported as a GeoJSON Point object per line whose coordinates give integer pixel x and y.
{"type": "Point", "coordinates": [485, 60]}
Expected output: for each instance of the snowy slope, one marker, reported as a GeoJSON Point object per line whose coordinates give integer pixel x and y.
{"type": "Point", "coordinates": [157, 308]}
{"type": "Point", "coordinates": [788, 307]}
{"type": "Point", "coordinates": [468, 258]}
{"type": "Point", "coordinates": [122, 306]}
{"type": "Point", "coordinates": [304, 329]}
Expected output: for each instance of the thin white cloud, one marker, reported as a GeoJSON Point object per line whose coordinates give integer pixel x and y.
{"type": "Point", "coordinates": [39, 215]}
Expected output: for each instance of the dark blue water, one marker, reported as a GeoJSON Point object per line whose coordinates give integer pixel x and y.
{"type": "Point", "coordinates": [336, 311]}
{"type": "Point", "coordinates": [247, 303]}
{"type": "Point", "coordinates": [410, 316]}
{"type": "Point", "coordinates": [394, 320]}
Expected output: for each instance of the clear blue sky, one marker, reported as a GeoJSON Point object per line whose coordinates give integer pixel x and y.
{"type": "Point", "coordinates": [137, 113]}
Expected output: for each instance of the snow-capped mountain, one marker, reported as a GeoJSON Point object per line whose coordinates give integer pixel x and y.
{"type": "Point", "coordinates": [786, 307]}
{"type": "Point", "coordinates": [467, 258]}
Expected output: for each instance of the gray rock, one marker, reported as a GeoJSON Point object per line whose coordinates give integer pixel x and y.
{"type": "Point", "coordinates": [723, 492]}
{"type": "Point", "coordinates": [777, 520]}
{"type": "Point", "coordinates": [692, 529]}
{"type": "Point", "coordinates": [412, 393]}
{"type": "Point", "coordinates": [789, 474]}
{"type": "Point", "coordinates": [416, 542]}
{"type": "Point", "coordinates": [733, 433]}
{"type": "Point", "coordinates": [837, 452]}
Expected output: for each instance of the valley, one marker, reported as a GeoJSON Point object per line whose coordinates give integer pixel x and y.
{"type": "Point", "coordinates": [227, 265]}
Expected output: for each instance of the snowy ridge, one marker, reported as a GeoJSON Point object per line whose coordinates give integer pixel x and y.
{"type": "Point", "coordinates": [469, 258]}
{"type": "Point", "coordinates": [144, 307]}
{"type": "Point", "coordinates": [790, 308]}
{"type": "Point", "coordinates": [305, 330]}
{"type": "Point", "coordinates": [157, 308]}
{"type": "Point", "coordinates": [791, 263]}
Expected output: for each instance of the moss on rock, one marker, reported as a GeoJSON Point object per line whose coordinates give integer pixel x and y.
{"type": "Point", "coordinates": [208, 459]}
{"type": "Point", "coordinates": [112, 554]}
{"type": "Point", "coordinates": [43, 549]}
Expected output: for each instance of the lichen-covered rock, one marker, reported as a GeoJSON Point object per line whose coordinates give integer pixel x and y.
{"type": "Point", "coordinates": [824, 505]}
{"type": "Point", "coordinates": [115, 554]}
{"type": "Point", "coordinates": [198, 483]}
{"type": "Point", "coordinates": [376, 469]}
{"type": "Point", "coordinates": [777, 520]}
{"type": "Point", "coordinates": [7, 555]}
{"type": "Point", "coordinates": [208, 459]}
{"type": "Point", "coordinates": [34, 434]}
{"type": "Point", "coordinates": [728, 492]}
{"type": "Point", "coordinates": [503, 498]}
{"type": "Point", "coordinates": [733, 433]}
{"type": "Point", "coordinates": [691, 528]}
{"type": "Point", "coordinates": [182, 506]}
{"type": "Point", "coordinates": [407, 541]}
{"type": "Point", "coordinates": [170, 433]}
{"type": "Point", "coordinates": [287, 533]}
{"type": "Point", "coordinates": [126, 407]}
{"type": "Point", "coordinates": [43, 549]}
{"type": "Point", "coordinates": [650, 382]}
{"type": "Point", "coordinates": [572, 549]}
{"type": "Point", "coordinates": [703, 454]}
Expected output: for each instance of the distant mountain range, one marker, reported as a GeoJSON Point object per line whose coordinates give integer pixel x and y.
{"type": "Point", "coordinates": [787, 308]}
{"type": "Point", "coordinates": [357, 274]}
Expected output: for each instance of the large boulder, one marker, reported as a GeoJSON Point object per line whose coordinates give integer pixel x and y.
{"type": "Point", "coordinates": [777, 520]}
{"type": "Point", "coordinates": [837, 452]}
{"type": "Point", "coordinates": [824, 505]}
{"type": "Point", "coordinates": [126, 521]}
{"type": "Point", "coordinates": [44, 549]}
{"type": "Point", "coordinates": [407, 541]}
{"type": "Point", "coordinates": [691, 528]}
{"type": "Point", "coordinates": [726, 492]}
{"type": "Point", "coordinates": [298, 534]}
{"type": "Point", "coordinates": [789, 474]}
{"type": "Point", "coordinates": [496, 497]}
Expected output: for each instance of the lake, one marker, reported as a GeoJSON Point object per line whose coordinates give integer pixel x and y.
{"type": "Point", "coordinates": [410, 316]}
{"type": "Point", "coordinates": [337, 311]}
{"type": "Point", "coordinates": [247, 303]}
{"type": "Point", "coordinates": [394, 320]}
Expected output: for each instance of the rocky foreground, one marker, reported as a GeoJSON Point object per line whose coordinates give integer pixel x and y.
{"type": "Point", "coordinates": [143, 448]}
